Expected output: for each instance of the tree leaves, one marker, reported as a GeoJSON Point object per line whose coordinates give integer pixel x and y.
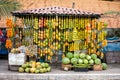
{"type": "Point", "coordinates": [6, 6]}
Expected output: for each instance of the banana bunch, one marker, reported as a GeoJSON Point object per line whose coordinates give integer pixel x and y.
{"type": "Point", "coordinates": [70, 37]}
{"type": "Point", "coordinates": [59, 36]}
{"type": "Point", "coordinates": [35, 37]}
{"type": "Point", "coordinates": [94, 36]}
{"type": "Point", "coordinates": [55, 35]}
{"type": "Point", "coordinates": [36, 24]}
{"type": "Point", "coordinates": [93, 24]}
{"type": "Point", "coordinates": [66, 35]}
{"type": "Point", "coordinates": [81, 35]}
{"type": "Point", "coordinates": [76, 44]}
{"type": "Point", "coordinates": [76, 22]}
{"type": "Point", "coordinates": [71, 47]}
{"type": "Point", "coordinates": [66, 23]}
{"type": "Point", "coordinates": [55, 23]}
{"type": "Point", "coordinates": [70, 24]}
{"type": "Point", "coordinates": [101, 36]}
{"type": "Point", "coordinates": [99, 26]}
{"type": "Point", "coordinates": [75, 35]}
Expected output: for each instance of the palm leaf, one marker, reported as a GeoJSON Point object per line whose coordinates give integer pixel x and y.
{"type": "Point", "coordinates": [6, 6]}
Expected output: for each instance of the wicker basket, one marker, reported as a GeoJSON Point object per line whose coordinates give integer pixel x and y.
{"type": "Point", "coordinates": [97, 67]}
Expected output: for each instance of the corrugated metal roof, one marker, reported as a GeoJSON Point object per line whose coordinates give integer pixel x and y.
{"type": "Point", "coordinates": [55, 10]}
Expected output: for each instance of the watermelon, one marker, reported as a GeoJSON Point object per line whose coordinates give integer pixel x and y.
{"type": "Point", "coordinates": [97, 61]}
{"type": "Point", "coordinates": [76, 55]}
{"type": "Point", "coordinates": [74, 60]}
{"type": "Point", "coordinates": [85, 61]}
{"type": "Point", "coordinates": [65, 60]}
{"type": "Point", "coordinates": [91, 61]}
{"type": "Point", "coordinates": [93, 56]}
{"type": "Point", "coordinates": [88, 57]}
{"type": "Point", "coordinates": [104, 66]}
{"type": "Point", "coordinates": [69, 55]}
{"type": "Point", "coordinates": [82, 55]}
{"type": "Point", "coordinates": [80, 61]}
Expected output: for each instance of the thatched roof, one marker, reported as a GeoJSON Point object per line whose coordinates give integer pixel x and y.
{"type": "Point", "coordinates": [55, 11]}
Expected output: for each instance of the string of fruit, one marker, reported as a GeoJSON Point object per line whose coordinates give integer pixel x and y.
{"type": "Point", "coordinates": [10, 33]}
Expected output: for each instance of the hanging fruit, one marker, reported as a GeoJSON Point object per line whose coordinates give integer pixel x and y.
{"type": "Point", "coordinates": [36, 23]}
{"type": "Point", "coordinates": [9, 23]}
{"type": "Point", "coordinates": [75, 35]}
{"type": "Point", "coordinates": [8, 43]}
{"type": "Point", "coordinates": [9, 32]}
{"type": "Point", "coordinates": [104, 43]}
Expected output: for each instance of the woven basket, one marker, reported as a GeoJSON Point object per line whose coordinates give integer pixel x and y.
{"type": "Point", "coordinates": [69, 66]}
{"type": "Point", "coordinates": [97, 67]}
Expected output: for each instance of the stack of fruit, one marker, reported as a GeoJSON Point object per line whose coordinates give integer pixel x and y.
{"type": "Point", "coordinates": [35, 67]}
{"type": "Point", "coordinates": [82, 60]}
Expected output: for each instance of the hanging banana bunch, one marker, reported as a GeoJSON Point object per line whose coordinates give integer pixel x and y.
{"type": "Point", "coordinates": [36, 24]}
{"type": "Point", "coordinates": [75, 34]}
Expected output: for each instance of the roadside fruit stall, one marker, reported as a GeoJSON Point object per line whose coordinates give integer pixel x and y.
{"type": "Point", "coordinates": [77, 35]}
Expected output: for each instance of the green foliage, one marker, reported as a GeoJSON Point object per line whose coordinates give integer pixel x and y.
{"type": "Point", "coordinates": [7, 6]}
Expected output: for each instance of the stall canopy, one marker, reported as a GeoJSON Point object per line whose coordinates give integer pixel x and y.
{"type": "Point", "coordinates": [56, 11]}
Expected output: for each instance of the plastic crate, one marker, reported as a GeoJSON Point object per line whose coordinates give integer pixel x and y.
{"type": "Point", "coordinates": [81, 69]}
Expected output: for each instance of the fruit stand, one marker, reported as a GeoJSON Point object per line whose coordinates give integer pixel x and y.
{"type": "Point", "coordinates": [67, 31]}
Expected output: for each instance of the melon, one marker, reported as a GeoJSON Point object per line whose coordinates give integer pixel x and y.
{"type": "Point", "coordinates": [91, 61]}
{"type": "Point", "coordinates": [65, 60]}
{"type": "Point", "coordinates": [69, 55]}
{"type": "Point", "coordinates": [93, 56]}
{"type": "Point", "coordinates": [97, 61]}
{"type": "Point", "coordinates": [88, 57]}
{"type": "Point", "coordinates": [80, 61]}
{"type": "Point", "coordinates": [76, 55]}
{"type": "Point", "coordinates": [74, 60]}
{"type": "Point", "coordinates": [85, 61]}
{"type": "Point", "coordinates": [104, 66]}
{"type": "Point", "coordinates": [82, 55]}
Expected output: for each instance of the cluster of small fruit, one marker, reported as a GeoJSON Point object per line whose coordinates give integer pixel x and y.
{"type": "Point", "coordinates": [42, 22]}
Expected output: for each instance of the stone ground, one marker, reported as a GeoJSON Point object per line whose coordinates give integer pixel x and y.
{"type": "Point", "coordinates": [112, 73]}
